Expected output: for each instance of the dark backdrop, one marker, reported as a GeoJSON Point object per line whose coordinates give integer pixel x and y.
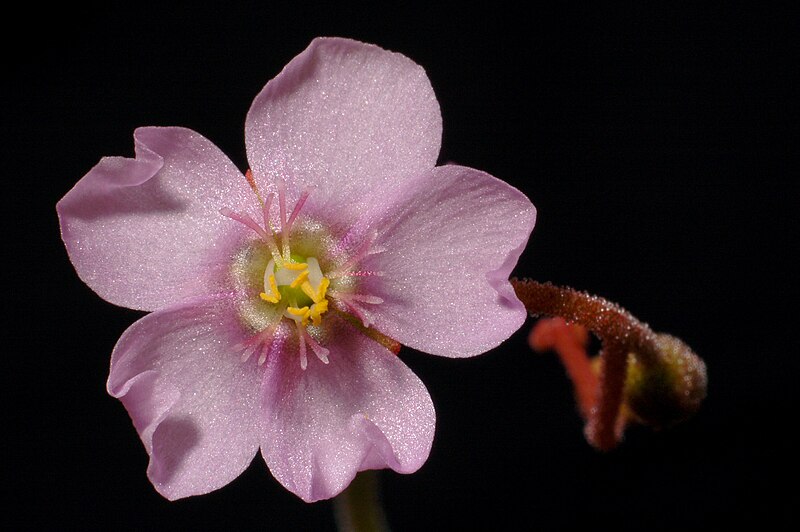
{"type": "Point", "coordinates": [653, 141]}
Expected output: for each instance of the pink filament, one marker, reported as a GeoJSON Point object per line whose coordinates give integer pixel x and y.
{"type": "Point", "coordinates": [246, 220]}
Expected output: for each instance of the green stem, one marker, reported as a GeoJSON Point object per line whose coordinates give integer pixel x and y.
{"type": "Point", "coordinates": [358, 508]}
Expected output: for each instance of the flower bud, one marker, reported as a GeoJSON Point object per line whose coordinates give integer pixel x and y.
{"type": "Point", "coordinates": [668, 391]}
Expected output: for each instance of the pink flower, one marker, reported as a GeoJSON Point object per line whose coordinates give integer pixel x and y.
{"type": "Point", "coordinates": [278, 298]}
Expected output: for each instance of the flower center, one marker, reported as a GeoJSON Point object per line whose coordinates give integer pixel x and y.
{"type": "Point", "coordinates": [281, 266]}
{"type": "Point", "coordinates": [299, 287]}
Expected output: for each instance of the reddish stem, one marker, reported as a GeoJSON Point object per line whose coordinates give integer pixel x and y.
{"type": "Point", "coordinates": [620, 334]}
{"type": "Point", "coordinates": [604, 426]}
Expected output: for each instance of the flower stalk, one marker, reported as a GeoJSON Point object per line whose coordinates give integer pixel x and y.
{"type": "Point", "coordinates": [641, 375]}
{"type": "Point", "coordinates": [358, 508]}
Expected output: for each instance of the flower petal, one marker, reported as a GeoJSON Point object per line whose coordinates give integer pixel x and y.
{"type": "Point", "coordinates": [140, 231]}
{"type": "Point", "coordinates": [347, 119]}
{"type": "Point", "coordinates": [451, 242]}
{"type": "Point", "coordinates": [363, 410]}
{"type": "Point", "coordinates": [193, 402]}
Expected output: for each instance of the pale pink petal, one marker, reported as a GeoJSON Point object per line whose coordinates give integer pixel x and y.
{"type": "Point", "coordinates": [193, 402]}
{"type": "Point", "coordinates": [363, 410]}
{"type": "Point", "coordinates": [350, 120]}
{"type": "Point", "coordinates": [450, 244]}
{"type": "Point", "coordinates": [142, 232]}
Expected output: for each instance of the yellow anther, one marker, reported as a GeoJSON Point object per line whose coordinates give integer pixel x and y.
{"type": "Point", "coordinates": [297, 311]}
{"type": "Point", "coordinates": [316, 311]}
{"type": "Point", "coordinates": [323, 289]}
{"type": "Point", "coordinates": [309, 291]}
{"type": "Point", "coordinates": [266, 297]}
{"type": "Point", "coordinates": [317, 295]}
{"type": "Point", "coordinates": [295, 265]}
{"type": "Point", "coordinates": [300, 280]}
{"type": "Point", "coordinates": [273, 285]}
{"type": "Point", "coordinates": [305, 316]}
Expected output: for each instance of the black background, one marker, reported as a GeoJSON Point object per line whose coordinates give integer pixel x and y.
{"type": "Point", "coordinates": [654, 142]}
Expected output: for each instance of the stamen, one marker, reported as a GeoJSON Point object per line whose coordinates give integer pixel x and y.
{"type": "Point", "coordinates": [284, 235]}
{"type": "Point", "coordinates": [362, 298]}
{"type": "Point", "coordinates": [351, 300]}
{"type": "Point", "coordinates": [321, 352]}
{"type": "Point", "coordinates": [248, 175]}
{"type": "Point", "coordinates": [297, 311]}
{"type": "Point", "coordinates": [302, 346]}
{"type": "Point", "coordinates": [246, 220]}
{"type": "Point", "coordinates": [265, 350]}
{"type": "Point", "coordinates": [273, 287]}
{"type": "Point", "coordinates": [296, 210]}
{"type": "Point", "coordinates": [308, 289]}
{"type": "Point", "coordinates": [273, 247]}
{"type": "Point", "coordinates": [323, 289]}
{"type": "Point", "coordinates": [282, 202]}
{"type": "Point", "coordinates": [316, 311]}
{"type": "Point", "coordinates": [300, 280]}
{"type": "Point", "coordinates": [265, 297]}
{"type": "Point", "coordinates": [359, 313]}
{"type": "Point", "coordinates": [248, 351]}
{"type": "Point", "coordinates": [263, 340]}
{"type": "Point", "coordinates": [265, 212]}
{"type": "Point", "coordinates": [295, 265]}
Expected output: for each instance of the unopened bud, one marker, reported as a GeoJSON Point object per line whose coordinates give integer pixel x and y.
{"type": "Point", "coordinates": [668, 391]}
